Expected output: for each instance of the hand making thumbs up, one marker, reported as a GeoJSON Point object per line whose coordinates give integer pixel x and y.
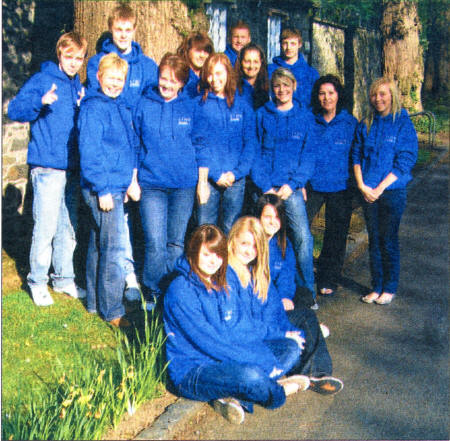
{"type": "Point", "coordinates": [50, 97]}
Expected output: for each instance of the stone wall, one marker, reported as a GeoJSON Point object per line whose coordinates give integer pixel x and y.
{"type": "Point", "coordinates": [354, 55]}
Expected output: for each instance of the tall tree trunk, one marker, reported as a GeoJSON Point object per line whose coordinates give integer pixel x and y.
{"type": "Point", "coordinates": [161, 25]}
{"type": "Point", "coordinates": [402, 53]}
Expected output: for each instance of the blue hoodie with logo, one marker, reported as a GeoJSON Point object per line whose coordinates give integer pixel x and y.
{"type": "Point", "coordinates": [108, 144]}
{"type": "Point", "coordinates": [206, 327]}
{"type": "Point", "coordinates": [191, 86]}
{"type": "Point", "coordinates": [142, 71]}
{"type": "Point", "coordinates": [334, 141]}
{"type": "Point", "coordinates": [286, 154]}
{"type": "Point", "coordinates": [270, 314]}
{"type": "Point", "coordinates": [225, 137]}
{"type": "Point", "coordinates": [282, 269]}
{"type": "Point", "coordinates": [167, 158]}
{"type": "Point", "coordinates": [53, 141]}
{"type": "Point", "coordinates": [390, 146]}
{"type": "Point", "coordinates": [305, 75]}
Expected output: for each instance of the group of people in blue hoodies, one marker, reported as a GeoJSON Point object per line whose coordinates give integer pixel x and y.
{"type": "Point", "coordinates": [203, 139]}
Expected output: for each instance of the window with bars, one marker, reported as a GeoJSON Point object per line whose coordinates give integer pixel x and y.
{"type": "Point", "coordinates": [217, 13]}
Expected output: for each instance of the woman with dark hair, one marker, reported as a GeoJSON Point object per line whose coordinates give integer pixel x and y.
{"type": "Point", "coordinates": [214, 349]}
{"type": "Point", "coordinates": [195, 49]}
{"type": "Point", "coordinates": [225, 132]}
{"type": "Point", "coordinates": [253, 80]}
{"type": "Point", "coordinates": [334, 133]}
{"type": "Point", "coordinates": [168, 172]}
{"type": "Point", "coordinates": [384, 154]}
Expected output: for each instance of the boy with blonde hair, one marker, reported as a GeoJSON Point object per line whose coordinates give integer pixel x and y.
{"type": "Point", "coordinates": [49, 100]}
{"type": "Point", "coordinates": [108, 149]}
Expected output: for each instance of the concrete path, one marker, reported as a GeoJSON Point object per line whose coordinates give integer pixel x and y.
{"type": "Point", "coordinates": [393, 359]}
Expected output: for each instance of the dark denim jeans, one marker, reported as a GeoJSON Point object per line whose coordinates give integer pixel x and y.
{"type": "Point", "coordinates": [383, 221]}
{"type": "Point", "coordinates": [165, 215]}
{"type": "Point", "coordinates": [315, 360]}
{"type": "Point", "coordinates": [247, 383]}
{"type": "Point", "coordinates": [338, 211]}
{"type": "Point", "coordinates": [105, 275]}
{"type": "Point", "coordinates": [224, 205]}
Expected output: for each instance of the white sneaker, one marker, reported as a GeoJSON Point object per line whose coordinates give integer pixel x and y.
{"type": "Point", "coordinates": [41, 296]}
{"type": "Point", "coordinates": [325, 330]}
{"type": "Point", "coordinates": [230, 409]}
{"type": "Point", "coordinates": [73, 290]}
{"type": "Point", "coordinates": [302, 381]}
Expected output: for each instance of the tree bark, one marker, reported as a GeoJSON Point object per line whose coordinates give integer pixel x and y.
{"type": "Point", "coordinates": [402, 52]}
{"type": "Point", "coordinates": [161, 25]}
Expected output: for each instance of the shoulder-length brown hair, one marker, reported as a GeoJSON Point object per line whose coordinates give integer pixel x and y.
{"type": "Point", "coordinates": [196, 40]}
{"type": "Point", "coordinates": [230, 86]}
{"type": "Point", "coordinates": [177, 64]}
{"type": "Point", "coordinates": [216, 242]}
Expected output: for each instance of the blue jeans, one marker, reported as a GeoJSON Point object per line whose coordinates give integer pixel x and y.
{"type": "Point", "coordinates": [315, 360]}
{"type": "Point", "coordinates": [301, 238]}
{"type": "Point", "coordinates": [105, 276]}
{"type": "Point", "coordinates": [165, 215]}
{"type": "Point", "coordinates": [245, 382]}
{"type": "Point", "coordinates": [55, 210]}
{"type": "Point", "coordinates": [128, 260]}
{"type": "Point", "coordinates": [383, 221]}
{"type": "Point", "coordinates": [224, 205]}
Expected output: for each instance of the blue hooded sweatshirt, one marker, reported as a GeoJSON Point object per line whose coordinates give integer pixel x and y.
{"type": "Point", "coordinates": [108, 144]}
{"type": "Point", "coordinates": [142, 71]}
{"type": "Point", "coordinates": [334, 141]}
{"type": "Point", "coordinates": [167, 158]}
{"type": "Point", "coordinates": [53, 142]}
{"type": "Point", "coordinates": [228, 135]}
{"type": "Point", "coordinates": [282, 270]}
{"type": "Point", "coordinates": [269, 315]}
{"type": "Point", "coordinates": [255, 100]}
{"type": "Point", "coordinates": [287, 147]}
{"type": "Point", "coordinates": [390, 146]}
{"type": "Point", "coordinates": [191, 86]}
{"type": "Point", "coordinates": [305, 75]}
{"type": "Point", "coordinates": [231, 54]}
{"type": "Point", "coordinates": [206, 327]}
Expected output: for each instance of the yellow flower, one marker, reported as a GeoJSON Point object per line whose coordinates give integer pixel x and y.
{"type": "Point", "coordinates": [67, 403]}
{"type": "Point", "coordinates": [84, 399]}
{"type": "Point", "coordinates": [100, 375]}
{"type": "Point", "coordinates": [63, 413]}
{"type": "Point", "coordinates": [130, 372]}
{"type": "Point", "coordinates": [11, 437]}
{"type": "Point", "coordinates": [98, 414]}
{"type": "Point", "coordinates": [62, 379]}
{"type": "Point", "coordinates": [89, 414]}
{"type": "Point", "coordinates": [120, 395]}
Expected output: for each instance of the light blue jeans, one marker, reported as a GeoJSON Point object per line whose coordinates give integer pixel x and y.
{"type": "Point", "coordinates": [301, 238]}
{"type": "Point", "coordinates": [55, 208]}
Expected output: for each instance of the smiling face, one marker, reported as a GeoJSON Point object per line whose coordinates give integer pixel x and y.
{"type": "Point", "coordinates": [123, 34]}
{"type": "Point", "coordinates": [270, 220]}
{"type": "Point", "coordinates": [112, 82]}
{"type": "Point", "coordinates": [328, 98]}
{"type": "Point", "coordinates": [208, 262]}
{"type": "Point", "coordinates": [71, 59]}
{"type": "Point", "coordinates": [290, 47]}
{"type": "Point", "coordinates": [217, 79]}
{"type": "Point", "coordinates": [197, 58]}
{"type": "Point", "coordinates": [244, 247]}
{"type": "Point", "coordinates": [239, 38]}
{"type": "Point", "coordinates": [381, 100]}
{"type": "Point", "coordinates": [168, 84]}
{"type": "Point", "coordinates": [251, 64]}
{"type": "Point", "coordinates": [283, 90]}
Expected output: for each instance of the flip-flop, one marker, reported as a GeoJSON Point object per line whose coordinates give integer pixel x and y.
{"type": "Point", "coordinates": [326, 291]}
{"type": "Point", "coordinates": [386, 300]}
{"type": "Point", "coordinates": [370, 298]}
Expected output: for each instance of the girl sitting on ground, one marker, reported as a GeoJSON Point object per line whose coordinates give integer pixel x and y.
{"type": "Point", "coordinates": [214, 349]}
{"type": "Point", "coordinates": [248, 256]}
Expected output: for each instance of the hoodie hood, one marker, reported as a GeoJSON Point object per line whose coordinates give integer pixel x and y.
{"type": "Point", "coordinates": [133, 57]}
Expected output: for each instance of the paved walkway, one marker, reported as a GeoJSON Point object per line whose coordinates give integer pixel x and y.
{"type": "Point", "coordinates": [393, 359]}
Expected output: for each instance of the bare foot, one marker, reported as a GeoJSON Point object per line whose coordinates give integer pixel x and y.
{"type": "Point", "coordinates": [370, 298]}
{"type": "Point", "coordinates": [384, 299]}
